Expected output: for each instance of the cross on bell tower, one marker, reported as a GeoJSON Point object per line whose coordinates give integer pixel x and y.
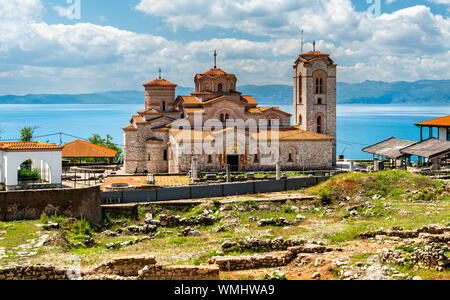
{"type": "Point", "coordinates": [159, 73]}
{"type": "Point", "coordinates": [215, 59]}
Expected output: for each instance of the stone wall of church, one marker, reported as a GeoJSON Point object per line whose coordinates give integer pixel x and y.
{"type": "Point", "coordinates": [154, 96]}
{"type": "Point", "coordinates": [308, 155]}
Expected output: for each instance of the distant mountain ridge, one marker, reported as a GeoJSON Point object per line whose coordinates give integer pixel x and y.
{"type": "Point", "coordinates": [368, 92]}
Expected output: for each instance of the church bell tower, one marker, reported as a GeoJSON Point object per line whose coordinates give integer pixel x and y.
{"type": "Point", "coordinates": [315, 94]}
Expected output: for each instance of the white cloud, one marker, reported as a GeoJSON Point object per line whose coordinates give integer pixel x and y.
{"type": "Point", "coordinates": [20, 10]}
{"type": "Point", "coordinates": [408, 44]}
{"type": "Point", "coordinates": [440, 1]}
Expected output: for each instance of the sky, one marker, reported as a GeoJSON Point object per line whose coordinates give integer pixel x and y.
{"type": "Point", "coordinates": [85, 46]}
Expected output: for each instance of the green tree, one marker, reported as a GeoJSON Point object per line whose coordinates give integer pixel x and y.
{"type": "Point", "coordinates": [27, 133]}
{"type": "Point", "coordinates": [107, 142]}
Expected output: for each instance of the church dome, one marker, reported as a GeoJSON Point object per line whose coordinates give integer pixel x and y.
{"type": "Point", "coordinates": [215, 72]}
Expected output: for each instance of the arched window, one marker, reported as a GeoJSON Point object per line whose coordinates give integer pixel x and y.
{"type": "Point", "coordinates": [319, 101]}
{"type": "Point", "coordinates": [220, 88]}
{"type": "Point", "coordinates": [209, 159]}
{"type": "Point", "coordinates": [290, 157]}
{"type": "Point", "coordinates": [164, 106]}
{"type": "Point", "coordinates": [319, 85]}
{"type": "Point", "coordinates": [227, 117]}
{"type": "Point", "coordinates": [300, 89]}
{"type": "Point", "coordinates": [319, 124]}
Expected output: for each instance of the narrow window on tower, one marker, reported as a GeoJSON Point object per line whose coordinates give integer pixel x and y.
{"type": "Point", "coordinates": [290, 157]}
{"type": "Point", "coordinates": [209, 159]}
{"type": "Point", "coordinates": [165, 155]}
{"type": "Point", "coordinates": [256, 160]}
{"type": "Point", "coordinates": [220, 88]}
{"type": "Point", "coordinates": [319, 124]}
{"type": "Point", "coordinates": [300, 92]}
{"type": "Point", "coordinates": [319, 101]}
{"type": "Point", "coordinates": [164, 106]}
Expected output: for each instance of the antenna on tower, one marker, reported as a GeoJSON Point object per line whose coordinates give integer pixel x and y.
{"type": "Point", "coordinates": [159, 73]}
{"type": "Point", "coordinates": [215, 59]}
{"type": "Point", "coordinates": [302, 43]}
{"type": "Point", "coordinates": [314, 46]}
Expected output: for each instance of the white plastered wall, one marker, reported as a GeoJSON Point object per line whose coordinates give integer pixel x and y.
{"type": "Point", "coordinates": [50, 162]}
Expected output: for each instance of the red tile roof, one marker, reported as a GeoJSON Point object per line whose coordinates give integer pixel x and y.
{"type": "Point", "coordinates": [214, 73]}
{"type": "Point", "coordinates": [129, 128]}
{"type": "Point", "coordinates": [160, 82]}
{"type": "Point", "coordinates": [83, 149]}
{"type": "Point", "coordinates": [442, 121]}
{"type": "Point", "coordinates": [32, 146]}
{"type": "Point", "coordinates": [250, 100]}
{"type": "Point", "coordinates": [312, 56]}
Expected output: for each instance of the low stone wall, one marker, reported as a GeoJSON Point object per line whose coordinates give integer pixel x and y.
{"type": "Point", "coordinates": [177, 221]}
{"type": "Point", "coordinates": [231, 263]}
{"type": "Point", "coordinates": [83, 202]}
{"type": "Point", "coordinates": [270, 260]}
{"type": "Point", "coordinates": [158, 272]}
{"type": "Point", "coordinates": [37, 272]}
{"type": "Point", "coordinates": [127, 266]}
{"type": "Point", "coordinates": [401, 233]}
{"type": "Point", "coordinates": [146, 268]}
{"type": "Point", "coordinates": [261, 245]}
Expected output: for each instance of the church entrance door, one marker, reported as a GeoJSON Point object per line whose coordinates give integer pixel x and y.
{"type": "Point", "coordinates": [233, 161]}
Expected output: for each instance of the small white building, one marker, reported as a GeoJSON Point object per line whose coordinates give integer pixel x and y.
{"type": "Point", "coordinates": [47, 158]}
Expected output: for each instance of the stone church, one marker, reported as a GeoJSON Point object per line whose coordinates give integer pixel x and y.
{"type": "Point", "coordinates": [152, 139]}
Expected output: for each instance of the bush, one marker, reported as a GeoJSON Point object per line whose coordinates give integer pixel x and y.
{"type": "Point", "coordinates": [82, 227]}
{"type": "Point", "coordinates": [29, 174]}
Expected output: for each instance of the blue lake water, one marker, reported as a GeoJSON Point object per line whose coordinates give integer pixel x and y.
{"type": "Point", "coordinates": [358, 125]}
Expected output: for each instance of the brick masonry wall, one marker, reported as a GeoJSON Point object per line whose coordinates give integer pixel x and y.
{"type": "Point", "coordinates": [84, 203]}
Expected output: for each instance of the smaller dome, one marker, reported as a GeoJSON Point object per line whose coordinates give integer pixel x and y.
{"type": "Point", "coordinates": [160, 82]}
{"type": "Point", "coordinates": [214, 73]}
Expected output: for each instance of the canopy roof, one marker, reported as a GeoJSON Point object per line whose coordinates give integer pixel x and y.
{"type": "Point", "coordinates": [430, 148]}
{"type": "Point", "coordinates": [83, 149]}
{"type": "Point", "coordinates": [390, 148]}
{"type": "Point", "coordinates": [439, 122]}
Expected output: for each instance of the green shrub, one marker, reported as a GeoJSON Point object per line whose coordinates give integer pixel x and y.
{"type": "Point", "coordinates": [82, 227]}
{"type": "Point", "coordinates": [29, 174]}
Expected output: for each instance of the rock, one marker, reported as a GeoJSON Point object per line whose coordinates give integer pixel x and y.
{"type": "Point", "coordinates": [51, 226]}
{"type": "Point", "coordinates": [417, 278]}
{"type": "Point", "coordinates": [295, 208]}
{"type": "Point", "coordinates": [316, 275]}
{"type": "Point", "coordinates": [300, 219]}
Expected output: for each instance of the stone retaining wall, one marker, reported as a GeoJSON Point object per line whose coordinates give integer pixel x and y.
{"type": "Point", "coordinates": [146, 268]}
{"type": "Point", "coordinates": [158, 272]}
{"type": "Point", "coordinates": [37, 272]}
{"type": "Point", "coordinates": [32, 204]}
{"type": "Point", "coordinates": [271, 260]}
{"type": "Point", "coordinates": [128, 266]}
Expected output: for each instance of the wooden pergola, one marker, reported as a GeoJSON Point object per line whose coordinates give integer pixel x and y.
{"type": "Point", "coordinates": [390, 149]}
